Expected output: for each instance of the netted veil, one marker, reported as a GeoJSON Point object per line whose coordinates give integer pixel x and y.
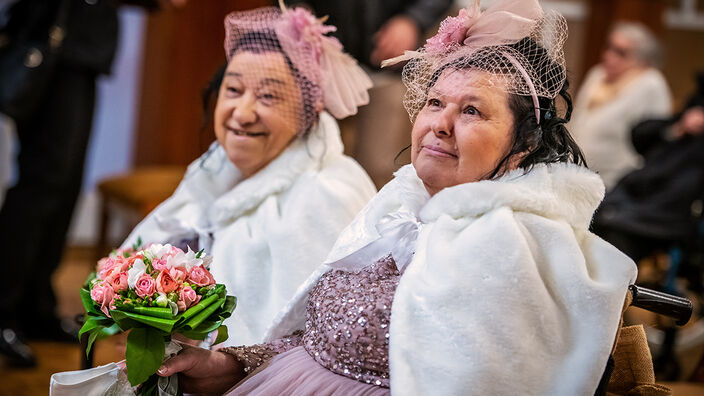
{"type": "Point", "coordinates": [514, 41]}
{"type": "Point", "coordinates": [325, 76]}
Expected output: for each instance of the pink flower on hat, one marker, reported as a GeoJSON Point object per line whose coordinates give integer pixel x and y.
{"type": "Point", "coordinates": [453, 31]}
{"type": "Point", "coordinates": [298, 24]}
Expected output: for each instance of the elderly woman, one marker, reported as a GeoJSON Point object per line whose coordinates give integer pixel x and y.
{"type": "Point", "coordinates": [623, 90]}
{"type": "Point", "coordinates": [273, 192]}
{"type": "Point", "coordinates": [473, 270]}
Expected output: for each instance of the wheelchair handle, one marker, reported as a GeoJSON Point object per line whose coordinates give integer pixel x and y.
{"type": "Point", "coordinates": [678, 308]}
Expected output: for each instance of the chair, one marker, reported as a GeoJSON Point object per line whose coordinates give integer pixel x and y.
{"type": "Point", "coordinates": [629, 370]}
{"type": "Point", "coordinates": [138, 191]}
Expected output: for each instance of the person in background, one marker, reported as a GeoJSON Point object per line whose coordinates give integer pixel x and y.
{"type": "Point", "coordinates": [53, 139]}
{"type": "Point", "coordinates": [624, 89]}
{"type": "Point", "coordinates": [269, 198]}
{"type": "Point", "coordinates": [372, 31]}
{"type": "Point", "coordinates": [655, 207]}
{"type": "Point", "coordinates": [473, 271]}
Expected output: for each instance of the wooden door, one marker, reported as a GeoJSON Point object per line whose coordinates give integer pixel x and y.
{"type": "Point", "coordinates": [182, 50]}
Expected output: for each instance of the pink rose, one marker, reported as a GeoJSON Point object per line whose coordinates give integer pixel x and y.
{"type": "Point", "coordinates": [201, 276]}
{"type": "Point", "coordinates": [118, 281]}
{"type": "Point", "coordinates": [165, 283]}
{"type": "Point", "coordinates": [159, 264]}
{"type": "Point", "coordinates": [178, 273]}
{"type": "Point", "coordinates": [103, 294]}
{"type": "Point", "coordinates": [188, 296]}
{"type": "Point", "coordinates": [105, 266]}
{"type": "Point", "coordinates": [145, 286]}
{"type": "Point", "coordinates": [112, 304]}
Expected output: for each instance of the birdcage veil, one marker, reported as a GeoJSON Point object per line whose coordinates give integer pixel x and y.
{"type": "Point", "coordinates": [325, 77]}
{"type": "Point", "coordinates": [514, 41]}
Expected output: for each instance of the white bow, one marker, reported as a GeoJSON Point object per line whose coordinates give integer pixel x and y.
{"type": "Point", "coordinates": [398, 233]}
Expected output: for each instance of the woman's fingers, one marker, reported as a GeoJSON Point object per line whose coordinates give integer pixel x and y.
{"type": "Point", "coordinates": [186, 360]}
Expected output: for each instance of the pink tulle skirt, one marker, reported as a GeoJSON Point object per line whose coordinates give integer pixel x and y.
{"type": "Point", "coordinates": [296, 373]}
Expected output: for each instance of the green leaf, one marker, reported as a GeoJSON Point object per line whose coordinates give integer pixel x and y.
{"type": "Point", "coordinates": [194, 310]}
{"type": "Point", "coordinates": [89, 279]}
{"type": "Point", "coordinates": [128, 320]}
{"type": "Point", "coordinates": [88, 302]}
{"type": "Point", "coordinates": [90, 323]}
{"type": "Point", "coordinates": [145, 351]}
{"type": "Point", "coordinates": [200, 252]}
{"type": "Point", "coordinates": [157, 312]}
{"type": "Point", "coordinates": [91, 340]}
{"type": "Point", "coordinates": [228, 307]}
{"type": "Point", "coordinates": [222, 335]}
{"type": "Point", "coordinates": [137, 245]}
{"type": "Point", "coordinates": [195, 320]}
{"type": "Point", "coordinates": [109, 331]}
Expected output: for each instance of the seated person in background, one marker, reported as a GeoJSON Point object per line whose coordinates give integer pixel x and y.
{"type": "Point", "coordinates": [624, 89]}
{"type": "Point", "coordinates": [473, 270]}
{"type": "Point", "coordinates": [269, 198]}
{"type": "Point", "coordinates": [651, 208]}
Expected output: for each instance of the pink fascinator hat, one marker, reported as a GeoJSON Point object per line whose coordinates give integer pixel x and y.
{"type": "Point", "coordinates": [518, 44]}
{"type": "Point", "coordinates": [326, 76]}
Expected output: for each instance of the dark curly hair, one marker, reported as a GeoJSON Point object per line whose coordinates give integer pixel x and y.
{"type": "Point", "coordinates": [549, 142]}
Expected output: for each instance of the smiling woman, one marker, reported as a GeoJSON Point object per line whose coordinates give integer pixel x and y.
{"type": "Point", "coordinates": [271, 195]}
{"type": "Point", "coordinates": [258, 110]}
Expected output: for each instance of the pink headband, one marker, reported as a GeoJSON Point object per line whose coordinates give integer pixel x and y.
{"type": "Point", "coordinates": [518, 30]}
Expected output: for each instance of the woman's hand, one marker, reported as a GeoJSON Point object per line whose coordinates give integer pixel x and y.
{"type": "Point", "coordinates": [400, 33]}
{"type": "Point", "coordinates": [203, 371]}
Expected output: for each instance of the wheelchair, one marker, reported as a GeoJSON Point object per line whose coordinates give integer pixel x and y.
{"type": "Point", "coordinates": [629, 370]}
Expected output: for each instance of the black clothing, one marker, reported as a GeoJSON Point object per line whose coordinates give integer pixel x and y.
{"type": "Point", "coordinates": [37, 211]}
{"type": "Point", "coordinates": [652, 207]}
{"type": "Point", "coordinates": [91, 30]}
{"type": "Point", "coordinates": [358, 20]}
{"type": "Point", "coordinates": [35, 216]}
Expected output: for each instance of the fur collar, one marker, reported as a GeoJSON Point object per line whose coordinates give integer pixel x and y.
{"type": "Point", "coordinates": [556, 191]}
{"type": "Point", "coordinates": [216, 186]}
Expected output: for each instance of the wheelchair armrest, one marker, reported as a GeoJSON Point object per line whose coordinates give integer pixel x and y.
{"type": "Point", "coordinates": [678, 308]}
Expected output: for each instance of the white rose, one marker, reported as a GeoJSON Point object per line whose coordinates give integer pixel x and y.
{"type": "Point", "coordinates": [138, 269]}
{"type": "Point", "coordinates": [157, 250]}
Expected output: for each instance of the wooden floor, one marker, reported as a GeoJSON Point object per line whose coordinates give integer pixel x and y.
{"type": "Point", "coordinates": [52, 356]}
{"type": "Point", "coordinates": [55, 357]}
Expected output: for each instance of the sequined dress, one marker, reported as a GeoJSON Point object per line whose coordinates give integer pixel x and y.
{"type": "Point", "coordinates": [344, 348]}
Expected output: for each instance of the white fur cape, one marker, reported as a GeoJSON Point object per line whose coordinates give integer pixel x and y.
{"type": "Point", "coordinates": [268, 232]}
{"type": "Point", "coordinates": [507, 292]}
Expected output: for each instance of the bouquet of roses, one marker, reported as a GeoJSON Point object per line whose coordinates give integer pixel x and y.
{"type": "Point", "coordinates": [155, 291]}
